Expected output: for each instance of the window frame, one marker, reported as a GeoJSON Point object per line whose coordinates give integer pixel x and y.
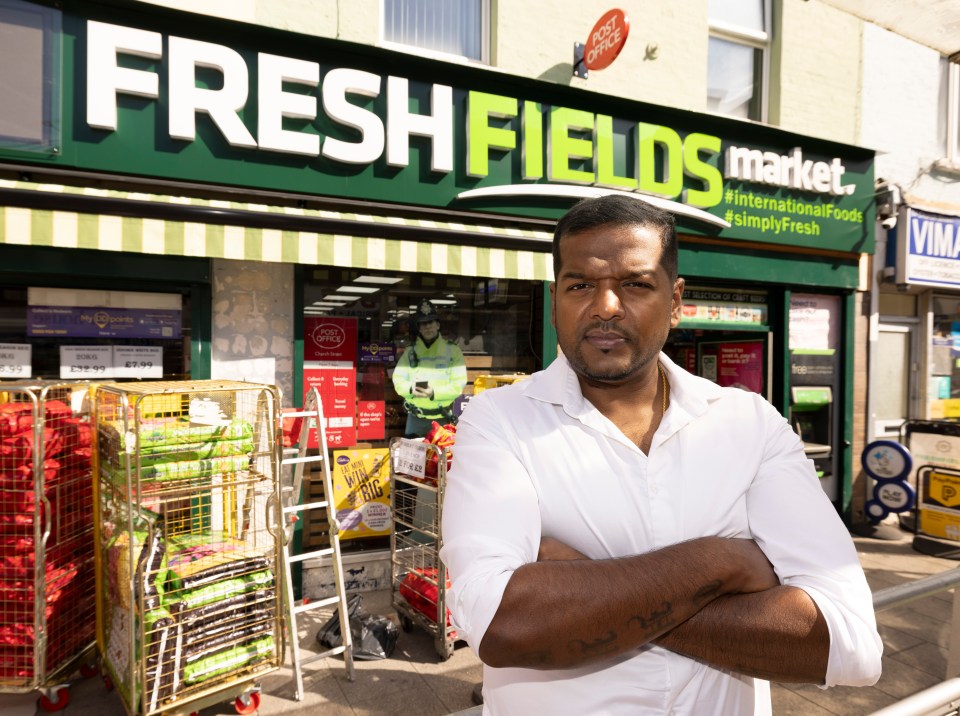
{"type": "Point", "coordinates": [952, 149]}
{"type": "Point", "coordinates": [754, 39]}
{"type": "Point", "coordinates": [52, 72]}
{"type": "Point", "coordinates": [485, 34]}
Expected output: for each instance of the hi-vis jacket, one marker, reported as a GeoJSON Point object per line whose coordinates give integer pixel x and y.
{"type": "Point", "coordinates": [441, 366]}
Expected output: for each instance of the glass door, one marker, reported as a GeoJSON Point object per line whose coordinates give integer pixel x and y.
{"type": "Point", "coordinates": [894, 385]}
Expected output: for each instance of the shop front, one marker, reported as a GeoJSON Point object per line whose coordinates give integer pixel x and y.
{"type": "Point", "coordinates": [919, 307]}
{"type": "Point", "coordinates": [914, 392]}
{"type": "Point", "coordinates": [276, 207]}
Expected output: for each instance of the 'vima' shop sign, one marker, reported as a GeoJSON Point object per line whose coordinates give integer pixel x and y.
{"type": "Point", "coordinates": [349, 118]}
{"type": "Point", "coordinates": [928, 249]}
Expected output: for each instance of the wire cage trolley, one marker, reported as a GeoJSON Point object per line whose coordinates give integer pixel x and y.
{"type": "Point", "coordinates": [188, 542]}
{"type": "Point", "coordinates": [47, 602]}
{"type": "Point", "coordinates": [418, 472]}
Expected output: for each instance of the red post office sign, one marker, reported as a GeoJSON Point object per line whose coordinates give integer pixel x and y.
{"type": "Point", "coordinates": [606, 39]}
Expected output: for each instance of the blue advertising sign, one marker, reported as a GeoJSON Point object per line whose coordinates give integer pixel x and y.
{"type": "Point", "coordinates": [378, 353]}
{"type": "Point", "coordinates": [928, 249]}
{"type": "Point", "coordinates": [889, 463]}
{"type": "Point", "coordinates": [98, 322]}
{"type": "Point", "coordinates": [886, 460]}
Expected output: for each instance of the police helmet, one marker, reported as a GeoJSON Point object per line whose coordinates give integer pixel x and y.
{"type": "Point", "coordinates": [426, 312]}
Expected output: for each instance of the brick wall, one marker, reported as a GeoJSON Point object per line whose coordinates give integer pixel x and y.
{"type": "Point", "coordinates": [819, 71]}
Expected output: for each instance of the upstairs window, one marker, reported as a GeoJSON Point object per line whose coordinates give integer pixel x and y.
{"type": "Point", "coordinates": [445, 27]}
{"type": "Point", "coordinates": [29, 76]}
{"type": "Point", "coordinates": [950, 111]}
{"type": "Point", "coordinates": [737, 58]}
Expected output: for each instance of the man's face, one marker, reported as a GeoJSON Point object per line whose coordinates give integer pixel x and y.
{"type": "Point", "coordinates": [429, 330]}
{"type": "Point", "coordinates": [613, 304]}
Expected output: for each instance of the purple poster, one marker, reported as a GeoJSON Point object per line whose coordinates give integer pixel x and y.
{"type": "Point", "coordinates": [77, 322]}
{"type": "Point", "coordinates": [741, 365]}
{"type": "Point", "coordinates": [377, 353]}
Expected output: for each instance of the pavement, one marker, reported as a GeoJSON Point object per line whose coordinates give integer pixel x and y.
{"type": "Point", "coordinates": [415, 681]}
{"type": "Point", "coordinates": [915, 636]}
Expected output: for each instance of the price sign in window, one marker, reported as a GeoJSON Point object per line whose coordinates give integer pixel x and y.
{"type": "Point", "coordinates": [86, 362]}
{"type": "Point", "coordinates": [137, 362]}
{"type": "Point", "coordinates": [15, 360]}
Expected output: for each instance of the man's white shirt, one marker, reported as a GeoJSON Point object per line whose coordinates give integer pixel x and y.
{"type": "Point", "coordinates": [537, 459]}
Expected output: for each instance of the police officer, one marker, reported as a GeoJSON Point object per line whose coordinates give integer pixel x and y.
{"type": "Point", "coordinates": [429, 375]}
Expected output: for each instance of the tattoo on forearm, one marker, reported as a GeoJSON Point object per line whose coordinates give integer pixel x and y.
{"type": "Point", "coordinates": [707, 593]}
{"type": "Point", "coordinates": [656, 621]}
{"type": "Point", "coordinates": [598, 647]}
{"type": "Point", "coordinates": [533, 659]}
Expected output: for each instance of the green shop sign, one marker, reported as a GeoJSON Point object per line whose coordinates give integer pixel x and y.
{"type": "Point", "coordinates": [286, 113]}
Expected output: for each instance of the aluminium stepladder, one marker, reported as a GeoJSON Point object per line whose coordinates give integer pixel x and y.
{"type": "Point", "coordinates": [292, 509]}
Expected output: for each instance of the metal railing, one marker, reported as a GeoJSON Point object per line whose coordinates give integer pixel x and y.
{"type": "Point", "coordinates": [944, 698]}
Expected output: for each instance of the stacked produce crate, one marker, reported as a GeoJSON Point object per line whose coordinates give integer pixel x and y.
{"type": "Point", "coordinates": [47, 604]}
{"type": "Point", "coordinates": [188, 604]}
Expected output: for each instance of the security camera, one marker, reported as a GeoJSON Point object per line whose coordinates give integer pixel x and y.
{"type": "Point", "coordinates": [888, 202]}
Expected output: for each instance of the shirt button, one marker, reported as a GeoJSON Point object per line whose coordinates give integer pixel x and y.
{"type": "Point", "coordinates": [654, 489]}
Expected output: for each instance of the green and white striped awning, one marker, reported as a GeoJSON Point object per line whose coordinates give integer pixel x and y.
{"type": "Point", "coordinates": [106, 232]}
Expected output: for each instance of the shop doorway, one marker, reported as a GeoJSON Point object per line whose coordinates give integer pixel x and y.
{"type": "Point", "coordinates": [724, 336]}
{"type": "Point", "coordinates": [738, 359]}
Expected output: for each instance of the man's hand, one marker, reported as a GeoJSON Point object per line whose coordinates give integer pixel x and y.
{"type": "Point", "coordinates": [419, 392]}
{"type": "Point", "coordinates": [553, 550]}
{"type": "Point", "coordinates": [759, 575]}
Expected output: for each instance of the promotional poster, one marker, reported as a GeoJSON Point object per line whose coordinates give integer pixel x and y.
{"type": "Point", "coordinates": [361, 492]}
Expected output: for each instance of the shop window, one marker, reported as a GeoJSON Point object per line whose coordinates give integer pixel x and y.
{"type": "Point", "coordinates": [944, 379]}
{"type": "Point", "coordinates": [30, 76]}
{"type": "Point", "coordinates": [723, 336]}
{"type": "Point", "coordinates": [898, 304]}
{"type": "Point", "coordinates": [361, 322]}
{"type": "Point", "coordinates": [76, 334]}
{"type": "Point", "coordinates": [737, 57]}
{"type": "Point", "coordinates": [447, 27]}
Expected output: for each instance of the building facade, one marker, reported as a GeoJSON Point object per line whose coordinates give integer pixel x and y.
{"type": "Point", "coordinates": [909, 115]}
{"type": "Point", "coordinates": [266, 191]}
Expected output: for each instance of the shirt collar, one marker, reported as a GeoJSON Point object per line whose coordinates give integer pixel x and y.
{"type": "Point", "coordinates": [690, 396]}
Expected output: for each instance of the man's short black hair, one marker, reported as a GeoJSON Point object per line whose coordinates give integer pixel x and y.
{"type": "Point", "coordinates": [619, 210]}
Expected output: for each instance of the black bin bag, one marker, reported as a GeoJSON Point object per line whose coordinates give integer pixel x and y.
{"type": "Point", "coordinates": [374, 636]}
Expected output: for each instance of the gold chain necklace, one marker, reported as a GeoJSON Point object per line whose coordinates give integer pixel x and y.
{"type": "Point", "coordinates": [663, 380]}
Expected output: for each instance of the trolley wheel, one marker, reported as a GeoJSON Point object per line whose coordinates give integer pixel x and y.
{"type": "Point", "coordinates": [247, 703]}
{"type": "Point", "coordinates": [406, 623]}
{"type": "Point", "coordinates": [61, 698]}
{"type": "Point", "coordinates": [89, 670]}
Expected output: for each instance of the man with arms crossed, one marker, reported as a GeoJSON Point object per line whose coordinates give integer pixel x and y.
{"type": "Point", "coordinates": [626, 538]}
